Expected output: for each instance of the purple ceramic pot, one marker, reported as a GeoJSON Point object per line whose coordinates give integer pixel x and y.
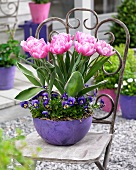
{"type": "Point", "coordinates": [62, 132]}
{"type": "Point", "coordinates": [128, 106]}
{"type": "Point", "coordinates": [7, 75]}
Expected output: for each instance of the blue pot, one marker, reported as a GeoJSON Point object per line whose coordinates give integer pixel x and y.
{"type": "Point", "coordinates": [62, 132]}
{"type": "Point", "coordinates": [7, 75]}
{"type": "Point", "coordinates": [128, 106]}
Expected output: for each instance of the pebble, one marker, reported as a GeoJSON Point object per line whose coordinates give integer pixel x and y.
{"type": "Point", "coordinates": [123, 150]}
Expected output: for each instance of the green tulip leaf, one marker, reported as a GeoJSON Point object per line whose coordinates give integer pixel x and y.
{"type": "Point", "coordinates": [24, 69]}
{"type": "Point", "coordinates": [96, 66]}
{"type": "Point", "coordinates": [74, 84]}
{"type": "Point", "coordinates": [28, 93]}
{"type": "Point", "coordinates": [92, 87]}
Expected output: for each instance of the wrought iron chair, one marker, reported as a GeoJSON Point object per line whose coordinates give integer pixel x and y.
{"type": "Point", "coordinates": [8, 15]}
{"type": "Point", "coordinates": [94, 145]}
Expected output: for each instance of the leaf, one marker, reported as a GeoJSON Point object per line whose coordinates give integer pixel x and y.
{"type": "Point", "coordinates": [96, 66]}
{"type": "Point", "coordinates": [41, 77]}
{"type": "Point", "coordinates": [45, 75]}
{"type": "Point", "coordinates": [24, 69]}
{"type": "Point", "coordinates": [60, 75]}
{"type": "Point", "coordinates": [28, 93]}
{"type": "Point", "coordinates": [52, 78]}
{"type": "Point", "coordinates": [29, 75]}
{"type": "Point", "coordinates": [76, 63]}
{"type": "Point", "coordinates": [88, 89]}
{"type": "Point", "coordinates": [74, 84]}
{"type": "Point", "coordinates": [67, 61]}
{"type": "Point", "coordinates": [62, 66]}
{"type": "Point", "coordinates": [58, 86]}
{"type": "Point", "coordinates": [71, 63]}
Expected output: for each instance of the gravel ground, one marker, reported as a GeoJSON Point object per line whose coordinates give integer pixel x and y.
{"type": "Point", "coordinates": [123, 151]}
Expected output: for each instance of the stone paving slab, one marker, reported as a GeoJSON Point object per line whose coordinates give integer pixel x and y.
{"type": "Point", "coordinates": [21, 85]}
{"type": "Point", "coordinates": [5, 102]}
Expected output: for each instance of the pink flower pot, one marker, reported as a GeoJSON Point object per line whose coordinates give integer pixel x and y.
{"type": "Point", "coordinates": [39, 12]}
{"type": "Point", "coordinates": [107, 102]}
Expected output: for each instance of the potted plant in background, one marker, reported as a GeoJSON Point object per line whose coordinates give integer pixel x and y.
{"type": "Point", "coordinates": [63, 116]}
{"type": "Point", "coordinates": [126, 12]}
{"type": "Point", "coordinates": [128, 90]}
{"type": "Point", "coordinates": [110, 67]}
{"type": "Point", "coordinates": [9, 54]}
{"type": "Point", "coordinates": [39, 10]}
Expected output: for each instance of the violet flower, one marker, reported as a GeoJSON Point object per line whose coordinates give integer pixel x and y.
{"type": "Point", "coordinates": [45, 103]}
{"type": "Point", "coordinates": [24, 104]}
{"type": "Point", "coordinates": [54, 95]}
{"type": "Point", "coordinates": [45, 113]}
{"type": "Point", "coordinates": [102, 103]}
{"type": "Point", "coordinates": [45, 96]}
{"type": "Point", "coordinates": [81, 100]}
{"type": "Point", "coordinates": [65, 104]}
{"type": "Point", "coordinates": [86, 108]}
{"type": "Point", "coordinates": [90, 98]}
{"type": "Point", "coordinates": [71, 101]}
{"type": "Point", "coordinates": [35, 103]}
{"type": "Point", "coordinates": [64, 96]}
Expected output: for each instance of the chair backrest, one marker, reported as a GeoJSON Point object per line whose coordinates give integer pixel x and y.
{"type": "Point", "coordinates": [8, 14]}
{"type": "Point", "coordinates": [108, 117]}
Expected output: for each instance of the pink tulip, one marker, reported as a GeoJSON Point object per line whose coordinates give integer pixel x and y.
{"type": "Point", "coordinates": [85, 44]}
{"type": "Point", "coordinates": [36, 48]}
{"type": "Point", "coordinates": [61, 43]}
{"type": "Point", "coordinates": [104, 49]}
{"type": "Point", "coordinates": [86, 49]}
{"type": "Point", "coordinates": [83, 37]}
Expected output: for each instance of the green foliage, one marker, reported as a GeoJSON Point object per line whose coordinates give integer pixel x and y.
{"type": "Point", "coordinates": [130, 72]}
{"type": "Point", "coordinates": [41, 1]}
{"type": "Point", "coordinates": [129, 86]}
{"type": "Point", "coordinates": [73, 86]}
{"type": "Point", "coordinates": [61, 76]}
{"type": "Point", "coordinates": [57, 112]}
{"type": "Point", "coordinates": [28, 93]}
{"type": "Point", "coordinates": [9, 154]}
{"type": "Point", "coordinates": [127, 14]}
{"type": "Point", "coordinates": [9, 53]}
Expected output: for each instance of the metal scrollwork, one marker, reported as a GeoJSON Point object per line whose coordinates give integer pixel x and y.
{"type": "Point", "coordinates": [8, 8]}
{"type": "Point", "coordinates": [111, 110]}
{"type": "Point", "coordinates": [84, 22]}
{"type": "Point", "coordinates": [49, 20]}
{"type": "Point", "coordinates": [119, 67]}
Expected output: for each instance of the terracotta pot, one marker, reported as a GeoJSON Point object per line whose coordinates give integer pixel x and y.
{"type": "Point", "coordinates": [128, 106]}
{"type": "Point", "coordinates": [107, 102]}
{"type": "Point", "coordinates": [39, 12]}
{"type": "Point", "coordinates": [7, 75]}
{"type": "Point", "coordinates": [62, 132]}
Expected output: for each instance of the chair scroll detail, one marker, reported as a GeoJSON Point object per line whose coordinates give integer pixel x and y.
{"type": "Point", "coordinates": [110, 117]}
{"type": "Point", "coordinates": [8, 15]}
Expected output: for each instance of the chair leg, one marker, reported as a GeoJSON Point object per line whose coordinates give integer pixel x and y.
{"type": "Point", "coordinates": [106, 157]}
{"type": "Point", "coordinates": [98, 164]}
{"type": "Point", "coordinates": [35, 162]}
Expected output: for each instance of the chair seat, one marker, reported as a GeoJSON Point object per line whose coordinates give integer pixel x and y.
{"type": "Point", "coordinates": [88, 149]}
